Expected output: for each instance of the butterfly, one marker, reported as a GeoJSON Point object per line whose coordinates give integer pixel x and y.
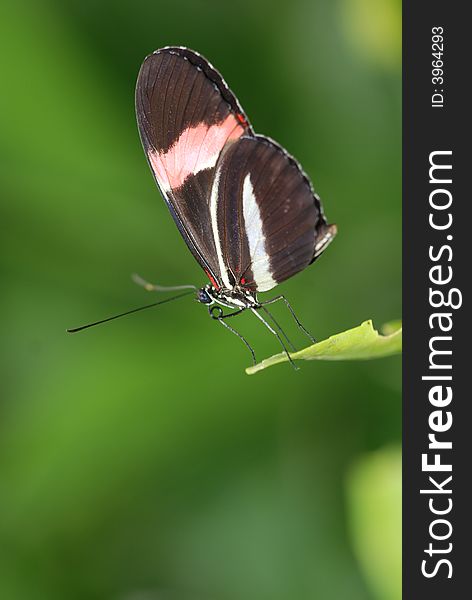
{"type": "Point", "coordinates": [244, 207]}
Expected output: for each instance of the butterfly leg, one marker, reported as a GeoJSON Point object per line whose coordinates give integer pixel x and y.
{"type": "Point", "coordinates": [150, 287]}
{"type": "Point", "coordinates": [216, 313]}
{"type": "Point", "coordinates": [261, 318]}
{"type": "Point", "coordinates": [292, 312]}
{"type": "Point", "coordinates": [271, 316]}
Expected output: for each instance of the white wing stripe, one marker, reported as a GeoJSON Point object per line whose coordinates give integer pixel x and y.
{"type": "Point", "coordinates": [214, 226]}
{"type": "Point", "coordinates": [260, 262]}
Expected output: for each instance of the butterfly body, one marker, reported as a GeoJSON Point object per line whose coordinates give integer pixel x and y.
{"type": "Point", "coordinates": [233, 298]}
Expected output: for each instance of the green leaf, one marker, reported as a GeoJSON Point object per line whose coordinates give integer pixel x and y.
{"type": "Point", "coordinates": [360, 343]}
{"type": "Point", "coordinates": [374, 514]}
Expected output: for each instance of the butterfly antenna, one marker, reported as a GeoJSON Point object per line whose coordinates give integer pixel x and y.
{"type": "Point", "coordinates": [151, 287]}
{"type": "Point", "coordinates": [128, 312]}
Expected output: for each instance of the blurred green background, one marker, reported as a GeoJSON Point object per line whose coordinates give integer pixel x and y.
{"type": "Point", "coordinates": [137, 460]}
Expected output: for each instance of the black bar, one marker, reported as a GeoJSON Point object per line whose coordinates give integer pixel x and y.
{"type": "Point", "coordinates": [431, 125]}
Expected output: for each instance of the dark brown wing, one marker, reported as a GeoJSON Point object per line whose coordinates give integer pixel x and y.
{"type": "Point", "coordinates": [186, 116]}
{"type": "Point", "coordinates": [270, 223]}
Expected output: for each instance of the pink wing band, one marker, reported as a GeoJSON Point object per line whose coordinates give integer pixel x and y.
{"type": "Point", "coordinates": [197, 148]}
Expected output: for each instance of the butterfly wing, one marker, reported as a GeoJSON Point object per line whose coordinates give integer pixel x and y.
{"type": "Point", "coordinates": [270, 224]}
{"type": "Point", "coordinates": [186, 115]}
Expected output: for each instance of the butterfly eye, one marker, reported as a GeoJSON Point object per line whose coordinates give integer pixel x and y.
{"type": "Point", "coordinates": [203, 297]}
